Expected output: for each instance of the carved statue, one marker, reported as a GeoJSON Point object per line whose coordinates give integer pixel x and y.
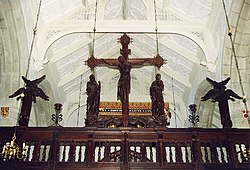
{"type": "Point", "coordinates": [93, 92]}
{"type": "Point", "coordinates": [156, 89]}
{"type": "Point", "coordinates": [220, 94]}
{"type": "Point", "coordinates": [28, 95]}
{"type": "Point", "coordinates": [124, 82]}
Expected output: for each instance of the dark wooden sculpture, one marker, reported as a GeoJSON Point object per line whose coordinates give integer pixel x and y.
{"type": "Point", "coordinates": [220, 94]}
{"type": "Point", "coordinates": [124, 64]}
{"type": "Point", "coordinates": [93, 100]}
{"type": "Point", "coordinates": [28, 95]}
{"type": "Point", "coordinates": [156, 89]}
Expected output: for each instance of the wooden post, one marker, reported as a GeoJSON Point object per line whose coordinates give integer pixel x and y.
{"type": "Point", "coordinates": [160, 151]}
{"type": "Point", "coordinates": [125, 152]}
{"type": "Point", "coordinates": [90, 149]}
{"type": "Point", "coordinates": [54, 151]}
{"type": "Point", "coordinates": [196, 150]}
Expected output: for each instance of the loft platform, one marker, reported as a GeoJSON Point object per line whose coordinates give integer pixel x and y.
{"type": "Point", "coordinates": [128, 148]}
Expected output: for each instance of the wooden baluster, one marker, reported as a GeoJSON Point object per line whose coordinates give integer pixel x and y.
{"type": "Point", "coordinates": [28, 144]}
{"type": "Point", "coordinates": [99, 151]}
{"type": "Point", "coordinates": [40, 151]}
{"type": "Point", "coordinates": [138, 152]}
{"type": "Point", "coordinates": [241, 154]}
{"type": "Point", "coordinates": [202, 152]}
{"type": "Point", "coordinates": [189, 154]}
{"type": "Point", "coordinates": [170, 153]}
{"type": "Point", "coordinates": [173, 152]}
{"type": "Point", "coordinates": [47, 151]}
{"type": "Point", "coordinates": [77, 151]}
{"type": "Point", "coordinates": [151, 152]}
{"type": "Point", "coordinates": [218, 149]}
{"type": "Point", "coordinates": [119, 149]}
{"type": "Point", "coordinates": [80, 156]}
{"type": "Point", "coordinates": [208, 148]}
{"type": "Point", "coordinates": [62, 154]}
{"type": "Point", "coordinates": [186, 152]}
{"type": "Point", "coordinates": [83, 152]}
{"type": "Point", "coordinates": [206, 154]}
{"type": "Point", "coordinates": [36, 151]}
{"type": "Point", "coordinates": [227, 159]}
{"type": "Point", "coordinates": [222, 153]}
{"type": "Point", "coordinates": [131, 152]}
{"type": "Point", "coordinates": [167, 153]}
{"type": "Point", "coordinates": [44, 152]}
{"type": "Point", "coordinates": [66, 151]}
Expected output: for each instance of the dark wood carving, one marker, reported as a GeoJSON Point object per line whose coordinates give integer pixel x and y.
{"type": "Point", "coordinates": [156, 89]}
{"type": "Point", "coordinates": [220, 94]}
{"type": "Point", "coordinates": [28, 95]}
{"type": "Point", "coordinates": [93, 92]}
{"type": "Point", "coordinates": [124, 64]}
{"type": "Point", "coordinates": [133, 121]}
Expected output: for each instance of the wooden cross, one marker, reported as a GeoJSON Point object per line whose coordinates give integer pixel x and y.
{"type": "Point", "coordinates": [124, 64]}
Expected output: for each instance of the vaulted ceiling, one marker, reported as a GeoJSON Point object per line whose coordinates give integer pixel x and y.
{"type": "Point", "coordinates": [191, 36]}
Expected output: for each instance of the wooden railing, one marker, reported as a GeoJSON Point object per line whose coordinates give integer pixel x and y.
{"type": "Point", "coordinates": [129, 148]}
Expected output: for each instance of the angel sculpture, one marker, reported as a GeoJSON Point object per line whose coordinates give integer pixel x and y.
{"type": "Point", "coordinates": [220, 94]}
{"type": "Point", "coordinates": [28, 95]}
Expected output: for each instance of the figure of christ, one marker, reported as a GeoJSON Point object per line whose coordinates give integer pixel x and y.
{"type": "Point", "coordinates": [123, 88]}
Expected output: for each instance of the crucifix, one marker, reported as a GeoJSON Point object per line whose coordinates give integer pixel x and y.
{"type": "Point", "coordinates": [124, 65]}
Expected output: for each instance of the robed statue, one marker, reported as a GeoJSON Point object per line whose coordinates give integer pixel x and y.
{"type": "Point", "coordinates": [28, 95]}
{"type": "Point", "coordinates": [220, 94]}
{"type": "Point", "coordinates": [156, 89]}
{"type": "Point", "coordinates": [93, 100]}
